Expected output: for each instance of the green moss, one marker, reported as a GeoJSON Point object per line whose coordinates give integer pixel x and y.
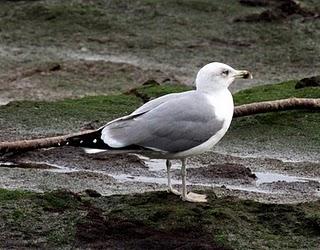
{"type": "Point", "coordinates": [65, 115]}
{"type": "Point", "coordinates": [154, 90]}
{"type": "Point", "coordinates": [293, 130]}
{"type": "Point", "coordinates": [240, 224]}
{"type": "Point", "coordinates": [275, 128]}
{"type": "Point", "coordinates": [260, 93]}
{"type": "Point", "coordinates": [18, 214]}
{"type": "Point", "coordinates": [60, 200]}
{"type": "Point", "coordinates": [13, 194]}
{"type": "Point", "coordinates": [229, 221]}
{"type": "Point", "coordinates": [63, 233]}
{"type": "Point", "coordinates": [41, 220]}
{"type": "Point", "coordinates": [275, 91]}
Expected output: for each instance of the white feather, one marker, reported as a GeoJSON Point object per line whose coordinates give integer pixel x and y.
{"type": "Point", "coordinates": [93, 150]}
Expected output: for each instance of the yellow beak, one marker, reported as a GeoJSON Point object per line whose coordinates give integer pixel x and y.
{"type": "Point", "coordinates": [243, 74]}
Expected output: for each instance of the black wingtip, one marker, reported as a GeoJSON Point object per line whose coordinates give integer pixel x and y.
{"type": "Point", "coordinates": [90, 140]}
{"type": "Point", "coordinates": [93, 140]}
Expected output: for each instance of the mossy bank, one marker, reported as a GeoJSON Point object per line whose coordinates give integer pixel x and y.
{"type": "Point", "coordinates": [158, 220]}
{"type": "Point", "coordinates": [155, 220]}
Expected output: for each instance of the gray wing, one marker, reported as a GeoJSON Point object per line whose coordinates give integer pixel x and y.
{"type": "Point", "coordinates": [158, 101]}
{"type": "Point", "coordinates": [173, 126]}
{"type": "Point", "coordinates": [148, 106]}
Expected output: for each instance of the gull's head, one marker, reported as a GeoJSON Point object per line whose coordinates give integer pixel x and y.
{"type": "Point", "coordinates": [215, 76]}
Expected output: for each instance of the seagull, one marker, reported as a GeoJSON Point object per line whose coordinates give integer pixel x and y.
{"type": "Point", "coordinates": [174, 126]}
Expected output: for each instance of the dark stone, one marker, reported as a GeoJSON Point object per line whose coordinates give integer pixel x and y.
{"type": "Point", "coordinates": [151, 82]}
{"type": "Point", "coordinates": [166, 80]}
{"type": "Point", "coordinates": [280, 11]}
{"type": "Point", "coordinates": [55, 67]}
{"type": "Point", "coordinates": [313, 81]}
{"type": "Point", "coordinates": [92, 193]}
{"type": "Point", "coordinates": [91, 125]}
{"type": "Point", "coordinates": [255, 3]}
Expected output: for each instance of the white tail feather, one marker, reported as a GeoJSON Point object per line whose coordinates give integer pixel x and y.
{"type": "Point", "coordinates": [93, 150]}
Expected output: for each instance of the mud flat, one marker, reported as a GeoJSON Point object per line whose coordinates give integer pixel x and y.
{"type": "Point", "coordinates": [266, 180]}
{"type": "Point", "coordinates": [279, 162]}
{"type": "Point", "coordinates": [176, 38]}
{"type": "Point", "coordinates": [65, 67]}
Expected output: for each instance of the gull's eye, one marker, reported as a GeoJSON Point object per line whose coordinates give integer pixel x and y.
{"type": "Point", "coordinates": [225, 72]}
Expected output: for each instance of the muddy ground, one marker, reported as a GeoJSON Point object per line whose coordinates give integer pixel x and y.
{"type": "Point", "coordinates": [281, 149]}
{"type": "Point", "coordinates": [129, 207]}
{"type": "Point", "coordinates": [59, 52]}
{"type": "Point", "coordinates": [95, 42]}
{"type": "Point", "coordinates": [266, 180]}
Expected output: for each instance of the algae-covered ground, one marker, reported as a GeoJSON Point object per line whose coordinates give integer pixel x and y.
{"type": "Point", "coordinates": [73, 65]}
{"type": "Point", "coordinates": [155, 220]}
{"type": "Point", "coordinates": [158, 220]}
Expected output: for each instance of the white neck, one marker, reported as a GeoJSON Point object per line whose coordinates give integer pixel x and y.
{"type": "Point", "coordinates": [211, 90]}
{"type": "Point", "coordinates": [222, 102]}
{"type": "Point", "coordinates": [206, 86]}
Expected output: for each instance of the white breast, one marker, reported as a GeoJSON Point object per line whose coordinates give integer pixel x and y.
{"type": "Point", "coordinates": [222, 104]}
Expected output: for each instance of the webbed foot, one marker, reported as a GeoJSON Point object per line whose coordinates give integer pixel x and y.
{"type": "Point", "coordinates": [194, 197]}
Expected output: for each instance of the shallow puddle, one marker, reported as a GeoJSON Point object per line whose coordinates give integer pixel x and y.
{"type": "Point", "coordinates": [156, 177]}
{"type": "Point", "coordinates": [268, 177]}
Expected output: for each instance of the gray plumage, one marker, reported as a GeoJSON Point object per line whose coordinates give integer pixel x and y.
{"type": "Point", "coordinates": [160, 100]}
{"type": "Point", "coordinates": [174, 126]}
{"type": "Point", "coordinates": [173, 123]}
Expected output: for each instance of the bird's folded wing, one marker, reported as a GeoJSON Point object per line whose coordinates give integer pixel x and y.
{"type": "Point", "coordinates": [148, 106]}
{"type": "Point", "coordinates": [177, 124]}
{"type": "Point", "coordinates": [160, 100]}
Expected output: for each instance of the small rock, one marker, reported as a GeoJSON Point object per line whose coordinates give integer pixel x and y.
{"type": "Point", "coordinates": [255, 3]}
{"type": "Point", "coordinates": [55, 67]}
{"type": "Point", "coordinates": [308, 82]}
{"type": "Point", "coordinates": [283, 10]}
{"type": "Point", "coordinates": [90, 125]}
{"type": "Point", "coordinates": [92, 193]}
{"type": "Point", "coordinates": [166, 80]}
{"type": "Point", "coordinates": [151, 82]}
